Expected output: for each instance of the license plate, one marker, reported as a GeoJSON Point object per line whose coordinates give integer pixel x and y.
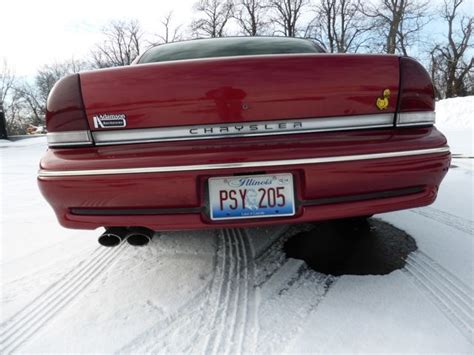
{"type": "Point", "coordinates": [253, 196]}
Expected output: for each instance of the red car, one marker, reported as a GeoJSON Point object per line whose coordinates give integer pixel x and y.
{"type": "Point", "coordinates": [238, 132]}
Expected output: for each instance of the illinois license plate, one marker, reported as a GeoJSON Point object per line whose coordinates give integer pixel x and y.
{"type": "Point", "coordinates": [252, 196]}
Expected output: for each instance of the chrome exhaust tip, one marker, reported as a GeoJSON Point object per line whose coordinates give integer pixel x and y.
{"type": "Point", "coordinates": [139, 236]}
{"type": "Point", "coordinates": [112, 236]}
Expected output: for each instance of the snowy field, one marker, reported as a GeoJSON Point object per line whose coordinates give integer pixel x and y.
{"type": "Point", "coordinates": [233, 290]}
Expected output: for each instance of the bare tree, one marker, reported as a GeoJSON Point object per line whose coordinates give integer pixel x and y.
{"type": "Point", "coordinates": [7, 80]}
{"type": "Point", "coordinates": [30, 102]}
{"type": "Point", "coordinates": [35, 95]}
{"type": "Point", "coordinates": [27, 100]}
{"type": "Point", "coordinates": [171, 33]}
{"type": "Point", "coordinates": [49, 74]}
{"type": "Point", "coordinates": [214, 15]}
{"type": "Point", "coordinates": [15, 110]}
{"type": "Point", "coordinates": [250, 15]}
{"type": "Point", "coordinates": [437, 69]}
{"type": "Point", "coordinates": [15, 113]}
{"type": "Point", "coordinates": [340, 25]}
{"type": "Point", "coordinates": [121, 46]}
{"type": "Point", "coordinates": [397, 23]}
{"type": "Point", "coordinates": [452, 62]}
{"type": "Point", "coordinates": [286, 15]}
{"type": "Point", "coordinates": [11, 101]}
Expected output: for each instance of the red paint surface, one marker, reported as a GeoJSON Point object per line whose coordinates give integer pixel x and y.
{"type": "Point", "coordinates": [200, 221]}
{"type": "Point", "coordinates": [214, 90]}
{"type": "Point", "coordinates": [188, 189]}
{"type": "Point", "coordinates": [65, 109]}
{"type": "Point", "coordinates": [245, 89]}
{"type": "Point", "coordinates": [417, 92]}
{"type": "Point", "coordinates": [294, 146]}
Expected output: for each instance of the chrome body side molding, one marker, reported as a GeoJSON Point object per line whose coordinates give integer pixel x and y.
{"type": "Point", "coordinates": [422, 118]}
{"type": "Point", "coordinates": [243, 129]}
{"type": "Point", "coordinates": [239, 129]}
{"type": "Point", "coordinates": [237, 165]}
{"type": "Point", "coordinates": [69, 138]}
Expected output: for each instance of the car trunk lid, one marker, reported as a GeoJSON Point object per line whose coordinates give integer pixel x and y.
{"type": "Point", "coordinates": [240, 90]}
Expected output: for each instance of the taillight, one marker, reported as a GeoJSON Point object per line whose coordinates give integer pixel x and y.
{"type": "Point", "coordinates": [66, 119]}
{"type": "Point", "coordinates": [417, 103]}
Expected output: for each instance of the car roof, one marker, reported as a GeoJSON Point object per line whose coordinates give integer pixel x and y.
{"type": "Point", "coordinates": [228, 46]}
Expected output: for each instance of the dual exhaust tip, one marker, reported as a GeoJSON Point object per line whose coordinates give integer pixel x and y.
{"type": "Point", "coordinates": [136, 236]}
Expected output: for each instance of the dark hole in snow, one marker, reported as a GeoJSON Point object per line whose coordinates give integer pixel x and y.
{"type": "Point", "coordinates": [356, 246]}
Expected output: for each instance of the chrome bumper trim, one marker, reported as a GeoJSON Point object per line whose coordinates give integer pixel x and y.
{"type": "Point", "coordinates": [243, 129]}
{"type": "Point", "coordinates": [69, 138]}
{"type": "Point", "coordinates": [251, 164]}
{"type": "Point", "coordinates": [410, 119]}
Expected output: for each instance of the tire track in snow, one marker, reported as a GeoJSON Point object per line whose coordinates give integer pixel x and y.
{"type": "Point", "coordinates": [228, 322]}
{"type": "Point", "coordinates": [42, 294]}
{"type": "Point", "coordinates": [225, 317]}
{"type": "Point", "coordinates": [289, 286]}
{"type": "Point", "coordinates": [209, 308]}
{"type": "Point", "coordinates": [272, 258]}
{"type": "Point", "coordinates": [236, 318]}
{"type": "Point", "coordinates": [451, 295]}
{"type": "Point", "coordinates": [156, 339]}
{"type": "Point", "coordinates": [245, 338]}
{"type": "Point", "coordinates": [19, 328]}
{"type": "Point", "coordinates": [295, 291]}
{"type": "Point", "coordinates": [456, 222]}
{"type": "Point", "coordinates": [222, 319]}
{"type": "Point", "coordinates": [250, 323]}
{"type": "Point", "coordinates": [276, 241]}
{"type": "Point", "coordinates": [213, 340]}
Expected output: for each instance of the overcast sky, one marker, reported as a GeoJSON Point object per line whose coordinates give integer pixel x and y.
{"type": "Point", "coordinates": [34, 33]}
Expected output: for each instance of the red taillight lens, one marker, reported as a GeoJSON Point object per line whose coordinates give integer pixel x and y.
{"type": "Point", "coordinates": [417, 102]}
{"type": "Point", "coordinates": [66, 119]}
{"type": "Point", "coordinates": [416, 88]}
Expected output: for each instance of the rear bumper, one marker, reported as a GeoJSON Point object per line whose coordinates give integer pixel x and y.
{"type": "Point", "coordinates": [164, 186]}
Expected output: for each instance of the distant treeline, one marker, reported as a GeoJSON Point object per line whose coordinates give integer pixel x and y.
{"type": "Point", "coordinates": [340, 26]}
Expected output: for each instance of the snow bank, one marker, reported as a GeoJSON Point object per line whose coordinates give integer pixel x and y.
{"type": "Point", "coordinates": [455, 118]}
{"type": "Point", "coordinates": [23, 141]}
{"type": "Point", "coordinates": [457, 112]}
{"type": "Point", "coordinates": [231, 292]}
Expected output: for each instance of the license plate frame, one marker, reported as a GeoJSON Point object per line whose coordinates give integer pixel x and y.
{"type": "Point", "coordinates": [249, 200]}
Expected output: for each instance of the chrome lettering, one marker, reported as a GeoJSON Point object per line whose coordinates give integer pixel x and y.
{"type": "Point", "coordinates": [243, 128]}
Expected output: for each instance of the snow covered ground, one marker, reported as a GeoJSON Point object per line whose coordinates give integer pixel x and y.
{"type": "Point", "coordinates": [232, 290]}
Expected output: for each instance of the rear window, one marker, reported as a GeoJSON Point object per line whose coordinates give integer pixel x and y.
{"type": "Point", "coordinates": [225, 47]}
